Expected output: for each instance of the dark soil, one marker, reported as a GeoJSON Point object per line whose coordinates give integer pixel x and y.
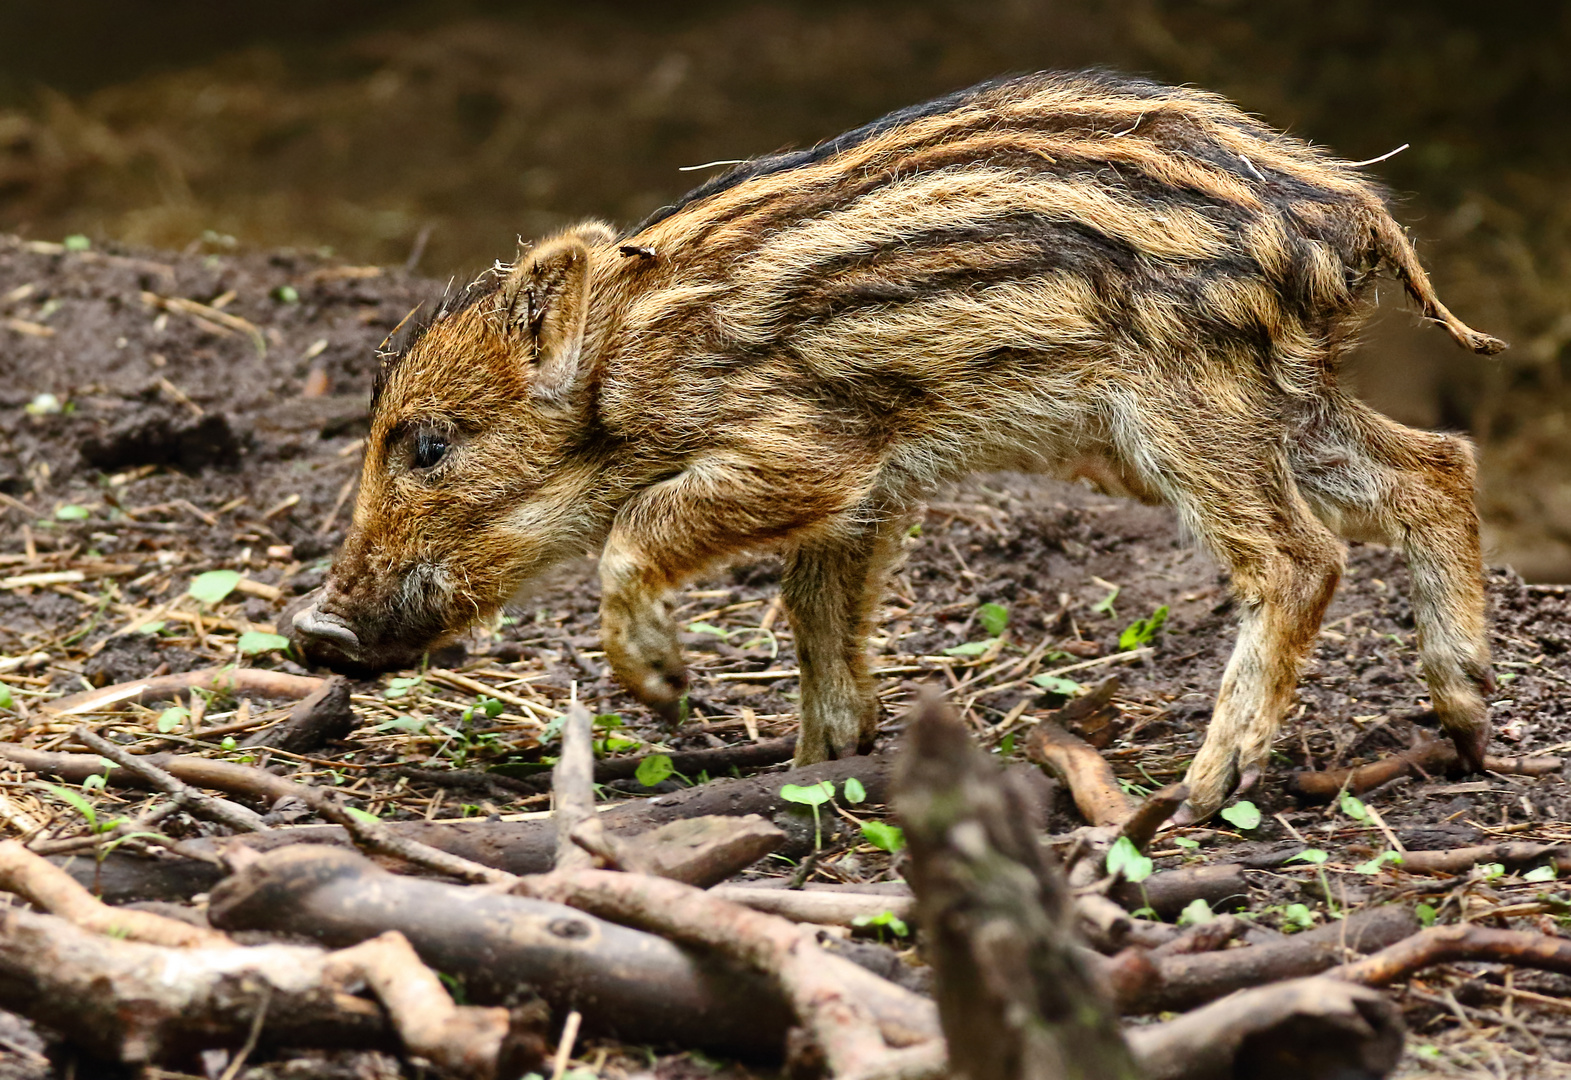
{"type": "Point", "coordinates": [175, 446]}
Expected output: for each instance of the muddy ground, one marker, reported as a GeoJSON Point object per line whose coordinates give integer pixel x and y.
{"type": "Point", "coordinates": [144, 440]}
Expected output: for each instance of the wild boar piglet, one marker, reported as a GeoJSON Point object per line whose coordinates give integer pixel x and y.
{"type": "Point", "coordinates": [1083, 275]}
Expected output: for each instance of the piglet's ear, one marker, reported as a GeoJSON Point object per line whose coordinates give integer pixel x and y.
{"type": "Point", "coordinates": [545, 302]}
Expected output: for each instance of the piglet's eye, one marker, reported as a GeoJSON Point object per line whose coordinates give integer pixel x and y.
{"type": "Point", "coordinates": [429, 448]}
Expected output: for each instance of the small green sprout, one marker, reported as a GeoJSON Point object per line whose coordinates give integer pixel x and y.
{"type": "Point", "coordinates": [813, 795]}
{"type": "Point", "coordinates": [653, 769]}
{"type": "Point", "coordinates": [1142, 632]}
{"type": "Point", "coordinates": [1243, 815]}
{"type": "Point", "coordinates": [890, 838]}
{"type": "Point", "coordinates": [211, 588]}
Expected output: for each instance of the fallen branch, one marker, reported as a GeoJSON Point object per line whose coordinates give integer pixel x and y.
{"type": "Point", "coordinates": [630, 985]}
{"type": "Point", "coordinates": [1427, 755]}
{"type": "Point", "coordinates": [820, 907]}
{"type": "Point", "coordinates": [1456, 944]}
{"type": "Point", "coordinates": [321, 717]}
{"type": "Point", "coordinates": [1090, 779]}
{"type": "Point", "coordinates": [1152, 814]}
{"type": "Point", "coordinates": [48, 888]}
{"type": "Point", "coordinates": [698, 851]}
{"type": "Point", "coordinates": [1016, 999]}
{"type": "Point", "coordinates": [1223, 887]}
{"type": "Point", "coordinates": [375, 837]}
{"type": "Point", "coordinates": [1303, 1028]}
{"type": "Point", "coordinates": [270, 684]}
{"type": "Point", "coordinates": [138, 1003]}
{"type": "Point", "coordinates": [227, 776]}
{"type": "Point", "coordinates": [1509, 855]}
{"type": "Point", "coordinates": [213, 809]}
{"type": "Point", "coordinates": [572, 788]}
{"type": "Point", "coordinates": [854, 1017]}
{"type": "Point", "coordinates": [1179, 983]}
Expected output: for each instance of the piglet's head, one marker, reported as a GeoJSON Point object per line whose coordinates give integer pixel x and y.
{"type": "Point", "coordinates": [474, 477]}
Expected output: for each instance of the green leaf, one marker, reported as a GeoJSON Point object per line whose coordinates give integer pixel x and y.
{"type": "Point", "coordinates": [6, 701]}
{"type": "Point", "coordinates": [228, 743]}
{"type": "Point", "coordinates": [71, 512]}
{"type": "Point", "coordinates": [1242, 815]}
{"type": "Point", "coordinates": [171, 719]}
{"type": "Point", "coordinates": [1186, 843]}
{"type": "Point", "coordinates": [362, 815]}
{"type": "Point", "coordinates": [211, 587]}
{"type": "Point", "coordinates": [1298, 916]}
{"type": "Point", "coordinates": [1006, 745]}
{"type": "Point", "coordinates": [1055, 684]}
{"type": "Point", "coordinates": [914, 531]}
{"type": "Point", "coordinates": [884, 919]}
{"type": "Point", "coordinates": [890, 838]}
{"type": "Point", "coordinates": [1490, 870]}
{"type": "Point", "coordinates": [606, 721]}
{"type": "Point", "coordinates": [1373, 865]}
{"type": "Point", "coordinates": [808, 794]}
{"type": "Point", "coordinates": [286, 294]}
{"type": "Point", "coordinates": [1354, 808]}
{"type": "Point", "coordinates": [994, 618]}
{"type": "Point", "coordinates": [77, 242]}
{"type": "Point", "coordinates": [77, 802]}
{"type": "Point", "coordinates": [970, 648]}
{"type": "Point", "coordinates": [1125, 859]}
{"type": "Point", "coordinates": [707, 628]}
{"type": "Point", "coordinates": [1104, 606]}
{"type": "Point", "coordinates": [98, 781]}
{"type": "Point", "coordinates": [1142, 631]}
{"type": "Point", "coordinates": [1310, 855]}
{"type": "Point", "coordinates": [615, 744]}
{"type": "Point", "coordinates": [653, 769]}
{"type": "Point", "coordinates": [1425, 914]}
{"type": "Point", "coordinates": [412, 724]}
{"type": "Point", "coordinates": [1197, 912]}
{"type": "Point", "coordinates": [151, 628]}
{"type": "Point", "coordinates": [854, 791]}
{"type": "Point", "coordinates": [1541, 873]}
{"type": "Point", "coordinates": [400, 687]}
{"type": "Point", "coordinates": [253, 642]}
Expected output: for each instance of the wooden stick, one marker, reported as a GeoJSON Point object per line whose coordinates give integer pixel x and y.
{"type": "Point", "coordinates": [51, 889]}
{"type": "Point", "coordinates": [572, 786]}
{"type": "Point", "coordinates": [832, 1006]}
{"type": "Point", "coordinates": [1460, 860]}
{"type": "Point", "coordinates": [1342, 1030]}
{"type": "Point", "coordinates": [1013, 992]}
{"type": "Point", "coordinates": [1184, 982]}
{"type": "Point", "coordinates": [1427, 755]}
{"type": "Point", "coordinates": [214, 809]}
{"type": "Point", "coordinates": [639, 986]}
{"type": "Point", "coordinates": [236, 680]}
{"type": "Point", "coordinates": [1089, 777]}
{"type": "Point", "coordinates": [139, 1003]}
{"type": "Point", "coordinates": [1456, 944]}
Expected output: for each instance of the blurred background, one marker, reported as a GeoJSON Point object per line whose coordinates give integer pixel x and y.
{"type": "Point", "coordinates": [434, 133]}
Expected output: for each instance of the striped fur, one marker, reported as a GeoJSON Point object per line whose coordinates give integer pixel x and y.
{"type": "Point", "coordinates": [1083, 275]}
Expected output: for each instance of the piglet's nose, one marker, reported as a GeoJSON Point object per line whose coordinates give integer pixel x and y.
{"type": "Point", "coordinates": [312, 622]}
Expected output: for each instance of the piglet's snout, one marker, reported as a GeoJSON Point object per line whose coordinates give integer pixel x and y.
{"type": "Point", "coordinates": [323, 626]}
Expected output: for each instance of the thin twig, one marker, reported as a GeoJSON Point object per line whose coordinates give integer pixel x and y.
{"type": "Point", "coordinates": [209, 806]}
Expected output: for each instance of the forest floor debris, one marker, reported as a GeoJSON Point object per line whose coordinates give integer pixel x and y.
{"type": "Point", "coordinates": [1018, 600]}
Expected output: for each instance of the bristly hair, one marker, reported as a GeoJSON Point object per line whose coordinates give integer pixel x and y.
{"type": "Point", "coordinates": [404, 336]}
{"type": "Point", "coordinates": [786, 160]}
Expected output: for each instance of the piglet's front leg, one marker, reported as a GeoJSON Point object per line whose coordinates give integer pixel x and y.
{"type": "Point", "coordinates": [638, 633]}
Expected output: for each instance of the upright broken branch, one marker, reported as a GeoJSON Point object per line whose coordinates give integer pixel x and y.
{"type": "Point", "coordinates": [1014, 995]}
